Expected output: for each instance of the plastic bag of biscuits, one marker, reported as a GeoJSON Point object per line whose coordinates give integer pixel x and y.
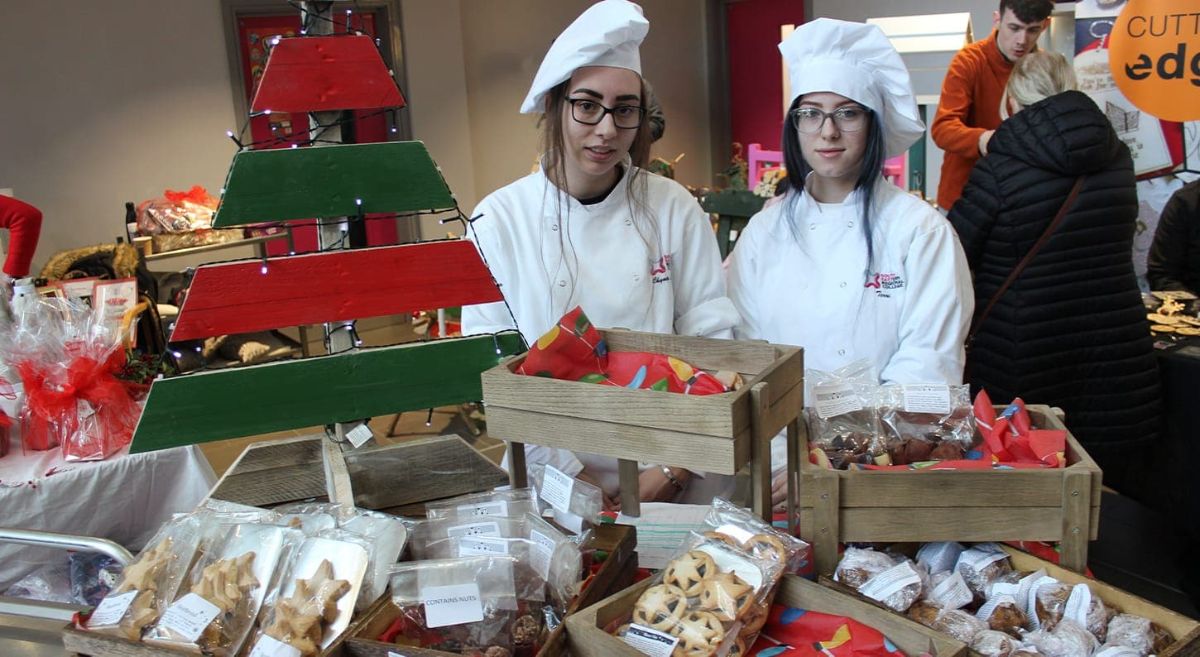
{"type": "Point", "coordinates": [215, 611]}
{"type": "Point", "coordinates": [574, 503]}
{"type": "Point", "coordinates": [314, 600]}
{"type": "Point", "coordinates": [386, 536]}
{"type": "Point", "coordinates": [843, 421]}
{"type": "Point", "coordinates": [512, 503]}
{"type": "Point", "coordinates": [149, 584]}
{"type": "Point", "coordinates": [933, 422]}
{"type": "Point", "coordinates": [468, 606]}
{"type": "Point", "coordinates": [742, 529]}
{"type": "Point", "coordinates": [710, 600]}
{"type": "Point", "coordinates": [896, 582]}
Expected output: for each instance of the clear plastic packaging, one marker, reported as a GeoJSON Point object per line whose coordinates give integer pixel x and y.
{"type": "Point", "coordinates": [859, 565]}
{"type": "Point", "coordinates": [1003, 613]}
{"type": "Point", "coordinates": [897, 587]}
{"type": "Point", "coordinates": [981, 565]}
{"type": "Point", "coordinates": [216, 611]}
{"type": "Point", "coordinates": [315, 599]}
{"type": "Point", "coordinates": [312, 518]}
{"type": "Point", "coordinates": [386, 535]}
{"type": "Point", "coordinates": [511, 503]}
{"type": "Point", "coordinates": [957, 623]}
{"type": "Point", "coordinates": [991, 643]}
{"type": "Point", "coordinates": [149, 584]}
{"type": "Point", "coordinates": [576, 504]}
{"type": "Point", "coordinates": [1139, 634]}
{"type": "Point", "coordinates": [1067, 639]}
{"type": "Point", "coordinates": [926, 422]}
{"type": "Point", "coordinates": [939, 556]}
{"type": "Point", "coordinates": [843, 420]}
{"type": "Point", "coordinates": [710, 598]}
{"type": "Point", "coordinates": [465, 606]}
{"type": "Point", "coordinates": [948, 590]}
{"type": "Point", "coordinates": [738, 527]}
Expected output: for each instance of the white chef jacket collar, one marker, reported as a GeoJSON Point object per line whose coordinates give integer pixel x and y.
{"type": "Point", "coordinates": [570, 204]}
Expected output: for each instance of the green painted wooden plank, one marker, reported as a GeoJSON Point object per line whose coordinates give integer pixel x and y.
{"type": "Point", "coordinates": [733, 202]}
{"type": "Point", "coordinates": [248, 401]}
{"type": "Point", "coordinates": [307, 183]}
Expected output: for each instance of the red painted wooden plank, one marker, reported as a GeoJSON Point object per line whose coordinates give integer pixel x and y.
{"type": "Point", "coordinates": [312, 74]}
{"type": "Point", "coordinates": [237, 297]}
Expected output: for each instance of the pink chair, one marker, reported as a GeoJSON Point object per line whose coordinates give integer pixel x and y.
{"type": "Point", "coordinates": [758, 157]}
{"type": "Point", "coordinates": [894, 170]}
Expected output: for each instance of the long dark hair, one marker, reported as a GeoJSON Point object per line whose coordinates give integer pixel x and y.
{"type": "Point", "coordinates": [554, 164]}
{"type": "Point", "coordinates": [798, 170]}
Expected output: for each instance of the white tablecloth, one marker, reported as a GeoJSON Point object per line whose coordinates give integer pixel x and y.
{"type": "Point", "coordinates": [124, 498]}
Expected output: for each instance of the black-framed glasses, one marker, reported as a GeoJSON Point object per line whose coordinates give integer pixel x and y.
{"type": "Point", "coordinates": [589, 112]}
{"type": "Point", "coordinates": [847, 119]}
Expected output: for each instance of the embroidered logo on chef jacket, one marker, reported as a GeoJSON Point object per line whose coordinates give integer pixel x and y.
{"type": "Point", "coordinates": [660, 270]}
{"type": "Point", "coordinates": [882, 283]}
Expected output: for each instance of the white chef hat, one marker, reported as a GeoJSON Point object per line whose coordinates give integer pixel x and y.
{"type": "Point", "coordinates": [857, 61]}
{"type": "Point", "coordinates": [607, 34]}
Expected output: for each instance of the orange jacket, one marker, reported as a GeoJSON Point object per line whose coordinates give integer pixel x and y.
{"type": "Point", "coordinates": [969, 106]}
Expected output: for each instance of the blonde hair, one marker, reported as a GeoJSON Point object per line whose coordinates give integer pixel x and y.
{"type": "Point", "coordinates": [1036, 76]}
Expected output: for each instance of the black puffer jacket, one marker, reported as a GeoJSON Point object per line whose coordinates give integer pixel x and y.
{"type": "Point", "coordinates": [1071, 330]}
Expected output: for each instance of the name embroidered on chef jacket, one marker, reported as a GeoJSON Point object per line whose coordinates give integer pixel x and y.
{"type": "Point", "coordinates": [882, 282]}
{"type": "Point", "coordinates": [660, 271]}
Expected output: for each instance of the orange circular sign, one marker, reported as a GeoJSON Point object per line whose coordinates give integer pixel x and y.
{"type": "Point", "coordinates": [1154, 54]}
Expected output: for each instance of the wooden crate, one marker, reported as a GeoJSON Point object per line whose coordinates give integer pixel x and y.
{"type": "Point", "coordinates": [715, 433]}
{"type": "Point", "coordinates": [620, 541]}
{"type": "Point", "coordinates": [1185, 630]}
{"type": "Point", "coordinates": [94, 644]}
{"type": "Point", "coordinates": [868, 506]}
{"type": "Point", "coordinates": [586, 635]}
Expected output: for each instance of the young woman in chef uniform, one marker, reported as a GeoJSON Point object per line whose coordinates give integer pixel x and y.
{"type": "Point", "coordinates": [848, 265]}
{"type": "Point", "coordinates": [590, 228]}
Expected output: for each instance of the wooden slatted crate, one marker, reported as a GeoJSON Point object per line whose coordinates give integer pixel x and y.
{"type": "Point", "coordinates": [587, 634]}
{"type": "Point", "coordinates": [620, 541]}
{"type": "Point", "coordinates": [1060, 505]}
{"type": "Point", "coordinates": [715, 433]}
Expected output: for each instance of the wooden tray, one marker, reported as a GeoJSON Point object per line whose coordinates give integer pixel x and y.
{"type": "Point", "coordinates": [715, 433]}
{"type": "Point", "coordinates": [586, 636]}
{"type": "Point", "coordinates": [620, 541]}
{"type": "Point", "coordinates": [868, 506]}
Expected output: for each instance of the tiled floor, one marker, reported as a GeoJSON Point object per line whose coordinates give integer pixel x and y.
{"type": "Point", "coordinates": [374, 332]}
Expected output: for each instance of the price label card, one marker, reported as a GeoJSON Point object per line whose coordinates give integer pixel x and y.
{"type": "Point", "coordinates": [189, 615]}
{"type": "Point", "coordinates": [358, 436]}
{"type": "Point", "coordinates": [651, 642]}
{"type": "Point", "coordinates": [112, 609]}
{"type": "Point", "coordinates": [556, 488]}
{"type": "Point", "coordinates": [497, 508]}
{"type": "Point", "coordinates": [927, 399]}
{"type": "Point", "coordinates": [474, 529]}
{"type": "Point", "coordinates": [452, 605]}
{"type": "Point", "coordinates": [835, 399]}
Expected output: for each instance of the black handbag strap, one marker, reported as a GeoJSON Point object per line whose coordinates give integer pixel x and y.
{"type": "Point", "coordinates": [1037, 246]}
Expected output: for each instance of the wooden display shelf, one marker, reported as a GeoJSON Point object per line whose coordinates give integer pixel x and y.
{"type": "Point", "coordinates": [868, 506]}
{"type": "Point", "coordinates": [713, 433]}
{"type": "Point", "coordinates": [82, 643]}
{"type": "Point", "coordinates": [1185, 630]}
{"type": "Point", "coordinates": [587, 634]}
{"type": "Point", "coordinates": [616, 573]}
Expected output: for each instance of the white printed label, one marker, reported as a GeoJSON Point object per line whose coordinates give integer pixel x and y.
{"type": "Point", "coordinates": [835, 399]}
{"type": "Point", "coordinates": [650, 642]}
{"type": "Point", "coordinates": [556, 488]}
{"type": "Point", "coordinates": [729, 561]}
{"type": "Point", "coordinates": [569, 521]}
{"type": "Point", "coordinates": [474, 529]}
{"type": "Point", "coordinates": [883, 585]}
{"type": "Point", "coordinates": [452, 605]}
{"type": "Point", "coordinates": [473, 546]}
{"type": "Point", "coordinates": [981, 556]}
{"type": "Point", "coordinates": [189, 615]}
{"type": "Point", "coordinates": [358, 436]}
{"type": "Point", "coordinates": [1031, 601]}
{"type": "Point", "coordinates": [939, 557]}
{"type": "Point", "coordinates": [269, 646]}
{"type": "Point", "coordinates": [542, 553]}
{"type": "Point", "coordinates": [1078, 604]}
{"type": "Point", "coordinates": [112, 609]}
{"type": "Point", "coordinates": [1013, 590]}
{"type": "Point", "coordinates": [927, 399]}
{"type": "Point", "coordinates": [497, 508]}
{"type": "Point", "coordinates": [738, 534]}
{"type": "Point", "coordinates": [952, 593]}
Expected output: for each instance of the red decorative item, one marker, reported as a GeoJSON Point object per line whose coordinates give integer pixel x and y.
{"type": "Point", "coordinates": [315, 74]}
{"type": "Point", "coordinates": [574, 350]}
{"type": "Point", "coordinates": [331, 287]}
{"type": "Point", "coordinates": [5, 428]}
{"type": "Point", "coordinates": [801, 633]}
{"type": "Point", "coordinates": [1011, 438]}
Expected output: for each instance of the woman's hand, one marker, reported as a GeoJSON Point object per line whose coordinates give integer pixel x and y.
{"type": "Point", "coordinates": [656, 487]}
{"type": "Point", "coordinates": [779, 489]}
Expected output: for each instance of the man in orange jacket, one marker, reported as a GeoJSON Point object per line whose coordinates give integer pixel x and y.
{"type": "Point", "coordinates": [969, 109]}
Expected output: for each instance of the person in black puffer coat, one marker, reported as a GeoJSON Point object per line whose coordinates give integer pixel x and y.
{"type": "Point", "coordinates": [1071, 330]}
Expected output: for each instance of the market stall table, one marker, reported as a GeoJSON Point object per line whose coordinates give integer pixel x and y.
{"type": "Point", "coordinates": [124, 498]}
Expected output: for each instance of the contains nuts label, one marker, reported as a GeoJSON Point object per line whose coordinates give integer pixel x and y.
{"type": "Point", "coordinates": [927, 399]}
{"type": "Point", "coordinates": [835, 399]}
{"type": "Point", "coordinates": [650, 642]}
{"type": "Point", "coordinates": [452, 605]}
